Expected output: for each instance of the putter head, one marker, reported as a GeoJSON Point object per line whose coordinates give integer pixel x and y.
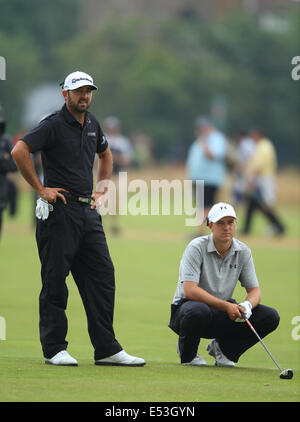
{"type": "Point", "coordinates": [287, 374]}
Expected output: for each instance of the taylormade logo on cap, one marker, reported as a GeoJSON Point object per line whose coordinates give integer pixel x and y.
{"type": "Point", "coordinates": [77, 79]}
{"type": "Point", "coordinates": [219, 211]}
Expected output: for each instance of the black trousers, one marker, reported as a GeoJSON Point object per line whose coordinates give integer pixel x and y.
{"type": "Point", "coordinates": [210, 193]}
{"type": "Point", "coordinates": [72, 239]}
{"type": "Point", "coordinates": [254, 205]}
{"type": "Point", "coordinates": [193, 320]}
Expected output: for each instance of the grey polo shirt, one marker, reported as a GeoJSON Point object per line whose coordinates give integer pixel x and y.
{"type": "Point", "coordinates": [203, 264]}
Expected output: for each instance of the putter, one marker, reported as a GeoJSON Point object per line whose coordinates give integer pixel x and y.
{"type": "Point", "coordinates": [285, 374]}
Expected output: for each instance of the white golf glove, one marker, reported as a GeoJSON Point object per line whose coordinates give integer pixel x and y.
{"type": "Point", "coordinates": [42, 209]}
{"type": "Point", "coordinates": [248, 310]}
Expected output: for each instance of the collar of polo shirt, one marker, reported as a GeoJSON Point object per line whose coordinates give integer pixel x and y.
{"type": "Point", "coordinates": [211, 246]}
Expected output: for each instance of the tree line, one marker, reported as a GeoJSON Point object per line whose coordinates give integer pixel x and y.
{"type": "Point", "coordinates": [157, 75]}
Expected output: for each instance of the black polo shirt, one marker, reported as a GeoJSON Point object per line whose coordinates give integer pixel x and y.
{"type": "Point", "coordinates": [68, 150]}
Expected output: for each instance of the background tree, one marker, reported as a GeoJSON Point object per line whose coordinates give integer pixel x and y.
{"type": "Point", "coordinates": [158, 73]}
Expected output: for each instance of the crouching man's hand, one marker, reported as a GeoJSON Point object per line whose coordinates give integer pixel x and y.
{"type": "Point", "coordinates": [247, 310]}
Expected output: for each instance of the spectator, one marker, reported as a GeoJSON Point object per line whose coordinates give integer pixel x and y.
{"type": "Point", "coordinates": [261, 183]}
{"type": "Point", "coordinates": [206, 161]}
{"type": "Point", "coordinates": [6, 165]}
{"type": "Point", "coordinates": [244, 150]}
{"type": "Point", "coordinates": [123, 157]}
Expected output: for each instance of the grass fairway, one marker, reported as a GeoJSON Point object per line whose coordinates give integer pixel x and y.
{"type": "Point", "coordinates": [146, 257]}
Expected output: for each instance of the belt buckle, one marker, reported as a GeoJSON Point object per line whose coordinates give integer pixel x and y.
{"type": "Point", "coordinates": [82, 199]}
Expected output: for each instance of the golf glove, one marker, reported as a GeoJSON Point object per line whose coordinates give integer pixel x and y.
{"type": "Point", "coordinates": [42, 209]}
{"type": "Point", "coordinates": [248, 310]}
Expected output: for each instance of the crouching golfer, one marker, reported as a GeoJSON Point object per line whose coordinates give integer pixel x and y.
{"type": "Point", "coordinates": [203, 306]}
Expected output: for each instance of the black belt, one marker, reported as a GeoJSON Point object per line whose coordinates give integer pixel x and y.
{"type": "Point", "coordinates": [85, 199]}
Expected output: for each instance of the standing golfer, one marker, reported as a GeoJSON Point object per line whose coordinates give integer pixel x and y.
{"type": "Point", "coordinates": [203, 306]}
{"type": "Point", "coordinates": [69, 233]}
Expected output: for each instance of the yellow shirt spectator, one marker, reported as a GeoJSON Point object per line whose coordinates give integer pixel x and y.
{"type": "Point", "coordinates": [263, 162]}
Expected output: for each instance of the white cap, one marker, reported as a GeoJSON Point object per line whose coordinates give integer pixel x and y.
{"type": "Point", "coordinates": [77, 79]}
{"type": "Point", "coordinates": [219, 211]}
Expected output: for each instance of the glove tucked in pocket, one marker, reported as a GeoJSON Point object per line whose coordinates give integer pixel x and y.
{"type": "Point", "coordinates": [42, 209]}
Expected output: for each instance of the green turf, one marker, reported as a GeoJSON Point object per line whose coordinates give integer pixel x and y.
{"type": "Point", "coordinates": [146, 258]}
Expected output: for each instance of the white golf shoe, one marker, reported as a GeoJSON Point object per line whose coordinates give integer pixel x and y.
{"type": "Point", "coordinates": [121, 359]}
{"type": "Point", "coordinates": [62, 359]}
{"type": "Point", "coordinates": [197, 361]}
{"type": "Point", "coordinates": [214, 350]}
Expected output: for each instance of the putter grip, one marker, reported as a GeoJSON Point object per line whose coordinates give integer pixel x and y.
{"type": "Point", "coordinates": [243, 315]}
